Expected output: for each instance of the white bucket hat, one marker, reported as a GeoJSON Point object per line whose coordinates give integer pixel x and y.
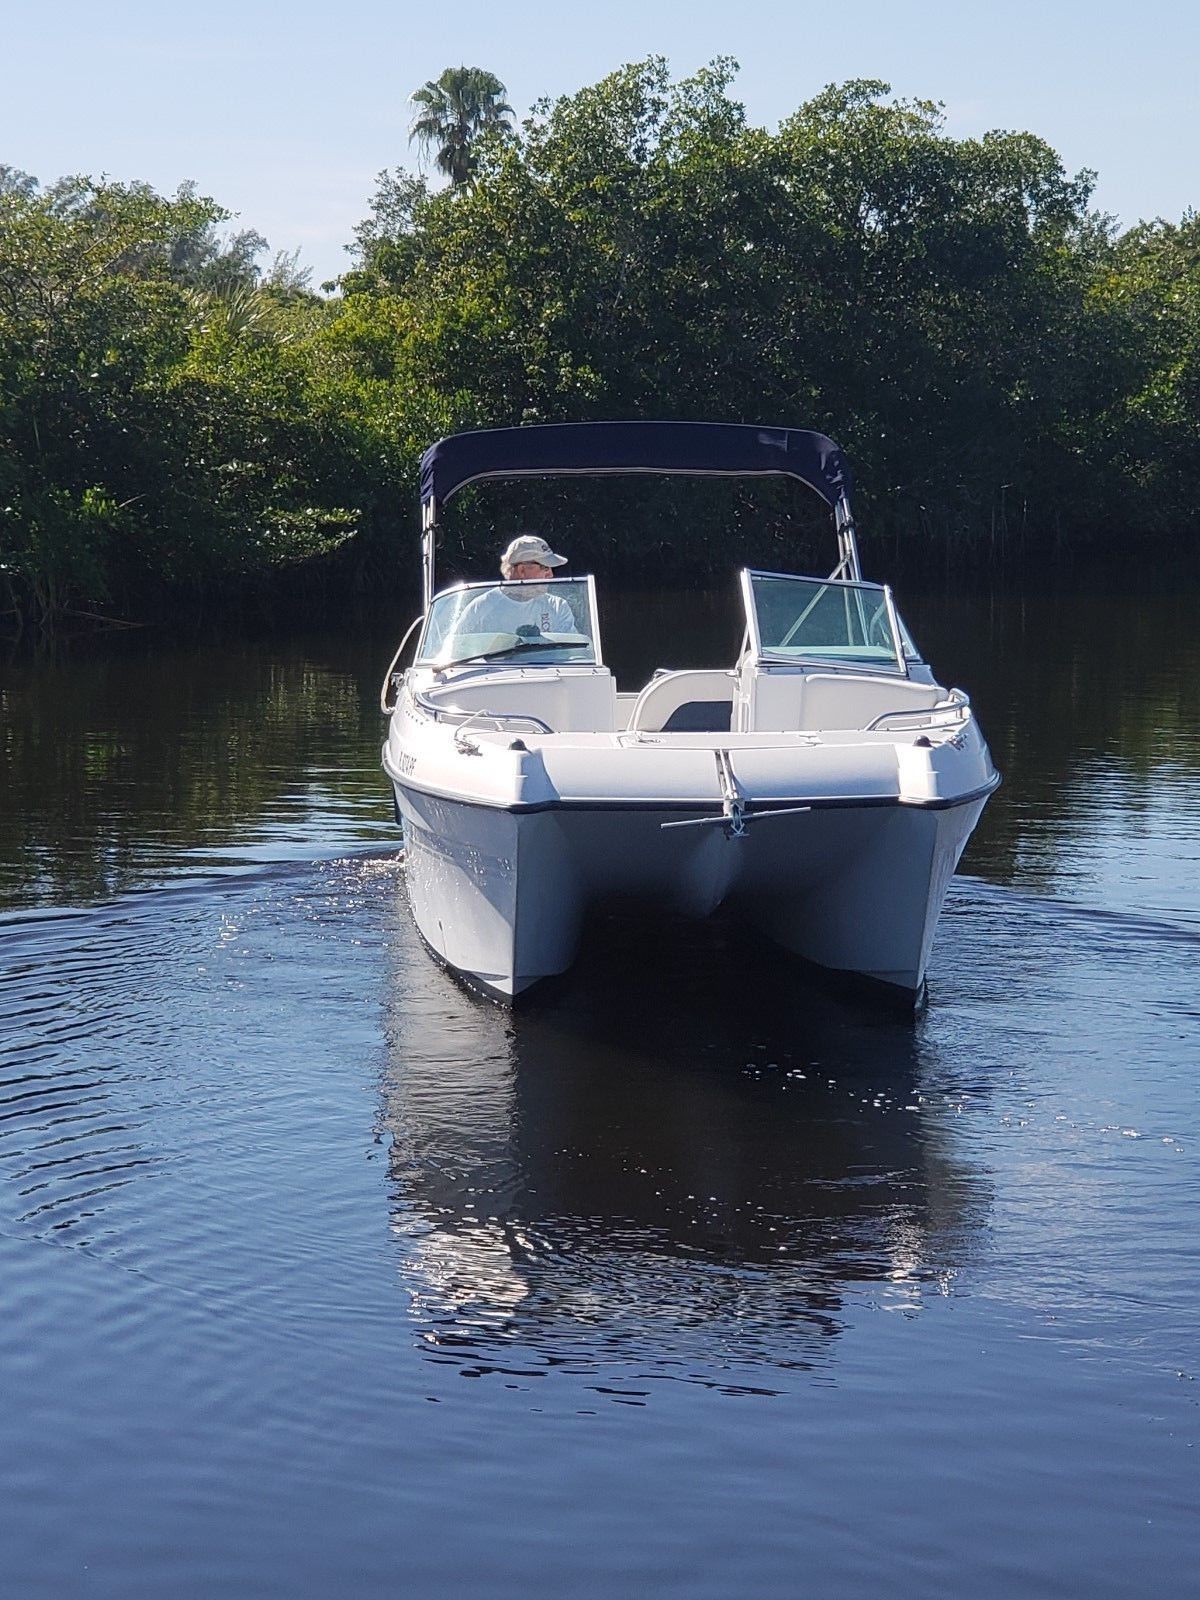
{"type": "Point", "coordinates": [531, 547]}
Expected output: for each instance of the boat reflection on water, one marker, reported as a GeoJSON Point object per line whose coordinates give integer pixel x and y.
{"type": "Point", "coordinates": [681, 1165]}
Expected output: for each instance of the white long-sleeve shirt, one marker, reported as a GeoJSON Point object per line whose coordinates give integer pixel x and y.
{"type": "Point", "coordinates": [501, 611]}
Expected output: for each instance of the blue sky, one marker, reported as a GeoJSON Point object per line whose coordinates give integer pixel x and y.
{"type": "Point", "coordinates": [285, 113]}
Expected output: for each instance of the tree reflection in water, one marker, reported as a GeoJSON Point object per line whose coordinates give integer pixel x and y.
{"type": "Point", "coordinates": [140, 764]}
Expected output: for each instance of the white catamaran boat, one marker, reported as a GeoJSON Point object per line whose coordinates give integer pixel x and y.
{"type": "Point", "coordinates": [823, 784]}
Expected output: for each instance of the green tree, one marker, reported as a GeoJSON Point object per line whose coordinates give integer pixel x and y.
{"type": "Point", "coordinates": [1149, 297]}
{"type": "Point", "coordinates": [452, 112]}
{"type": "Point", "coordinates": [386, 243]}
{"type": "Point", "coordinates": [637, 249]}
{"type": "Point", "coordinates": [1001, 365]}
{"type": "Point", "coordinates": [90, 322]}
{"type": "Point", "coordinates": [159, 435]}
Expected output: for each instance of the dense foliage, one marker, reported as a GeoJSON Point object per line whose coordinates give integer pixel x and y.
{"type": "Point", "coordinates": [1002, 366]}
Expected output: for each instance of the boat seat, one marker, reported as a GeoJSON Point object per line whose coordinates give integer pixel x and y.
{"type": "Point", "coordinates": [854, 702]}
{"type": "Point", "coordinates": [812, 701]}
{"type": "Point", "coordinates": [697, 700]}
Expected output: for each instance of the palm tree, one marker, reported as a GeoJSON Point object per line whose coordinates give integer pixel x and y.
{"type": "Point", "coordinates": [452, 111]}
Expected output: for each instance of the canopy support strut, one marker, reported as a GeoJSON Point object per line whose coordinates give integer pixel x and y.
{"type": "Point", "coordinates": [847, 566]}
{"type": "Point", "coordinates": [429, 513]}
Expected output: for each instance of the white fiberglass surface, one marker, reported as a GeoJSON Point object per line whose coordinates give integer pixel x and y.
{"type": "Point", "coordinates": [549, 622]}
{"type": "Point", "coordinates": [827, 620]}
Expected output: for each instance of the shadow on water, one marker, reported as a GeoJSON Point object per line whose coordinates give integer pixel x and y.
{"type": "Point", "coordinates": [684, 1164]}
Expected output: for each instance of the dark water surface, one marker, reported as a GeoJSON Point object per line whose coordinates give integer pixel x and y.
{"type": "Point", "coordinates": [320, 1277]}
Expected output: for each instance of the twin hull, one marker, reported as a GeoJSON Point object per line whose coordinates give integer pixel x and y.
{"type": "Point", "coordinates": [499, 891]}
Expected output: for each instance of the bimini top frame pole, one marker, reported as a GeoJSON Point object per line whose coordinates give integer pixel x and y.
{"type": "Point", "coordinates": [847, 566]}
{"type": "Point", "coordinates": [590, 449]}
{"type": "Point", "coordinates": [428, 542]}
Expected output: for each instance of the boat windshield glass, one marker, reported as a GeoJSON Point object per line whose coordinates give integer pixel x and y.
{"type": "Point", "coordinates": [826, 620]}
{"type": "Point", "coordinates": [539, 623]}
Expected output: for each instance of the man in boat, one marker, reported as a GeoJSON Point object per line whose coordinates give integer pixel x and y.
{"type": "Point", "coordinates": [524, 609]}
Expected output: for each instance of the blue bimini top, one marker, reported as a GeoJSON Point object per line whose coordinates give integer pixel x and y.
{"type": "Point", "coordinates": [590, 449]}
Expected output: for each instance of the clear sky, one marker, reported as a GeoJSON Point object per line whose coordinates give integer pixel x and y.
{"type": "Point", "coordinates": [284, 113]}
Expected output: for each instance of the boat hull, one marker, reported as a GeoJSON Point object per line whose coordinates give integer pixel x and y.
{"type": "Point", "coordinates": [500, 894]}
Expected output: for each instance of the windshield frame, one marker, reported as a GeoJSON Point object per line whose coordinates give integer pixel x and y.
{"type": "Point", "coordinates": [512, 655]}
{"type": "Point", "coordinates": [904, 651]}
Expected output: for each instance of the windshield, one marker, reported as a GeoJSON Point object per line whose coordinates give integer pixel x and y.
{"type": "Point", "coordinates": [826, 620]}
{"type": "Point", "coordinates": [549, 622]}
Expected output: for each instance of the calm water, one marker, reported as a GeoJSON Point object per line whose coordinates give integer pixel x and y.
{"type": "Point", "coordinates": [321, 1277]}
